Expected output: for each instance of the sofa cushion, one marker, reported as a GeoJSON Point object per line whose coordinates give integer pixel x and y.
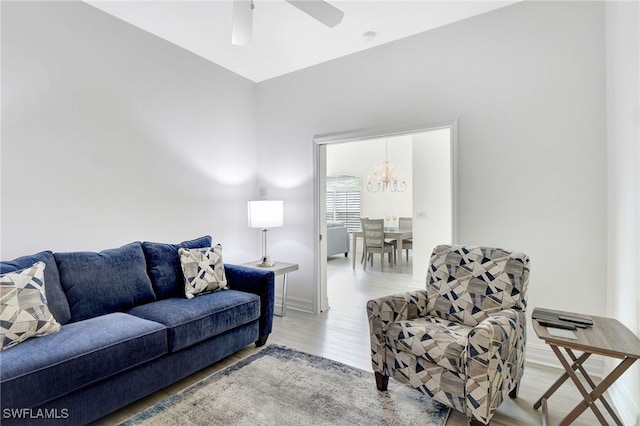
{"type": "Point", "coordinates": [190, 321]}
{"type": "Point", "coordinates": [23, 306]}
{"type": "Point", "coordinates": [163, 264]}
{"type": "Point", "coordinates": [203, 270]}
{"type": "Point", "coordinates": [113, 280]}
{"type": "Point", "coordinates": [56, 299]}
{"type": "Point", "coordinates": [82, 353]}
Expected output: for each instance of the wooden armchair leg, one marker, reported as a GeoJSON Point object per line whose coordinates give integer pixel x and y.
{"type": "Point", "coordinates": [382, 381]}
{"type": "Point", "coordinates": [514, 391]}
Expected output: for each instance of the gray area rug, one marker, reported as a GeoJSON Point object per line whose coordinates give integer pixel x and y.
{"type": "Point", "coordinates": [282, 386]}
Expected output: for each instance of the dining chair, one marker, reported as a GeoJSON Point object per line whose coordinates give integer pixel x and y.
{"type": "Point", "coordinates": [405, 223]}
{"type": "Point", "coordinates": [373, 237]}
{"type": "Point", "coordinates": [407, 244]}
{"type": "Point", "coordinates": [363, 251]}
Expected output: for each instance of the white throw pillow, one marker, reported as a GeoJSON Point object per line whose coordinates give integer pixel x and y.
{"type": "Point", "coordinates": [203, 270]}
{"type": "Point", "coordinates": [23, 306]}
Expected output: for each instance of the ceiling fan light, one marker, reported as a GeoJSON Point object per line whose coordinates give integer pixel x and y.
{"type": "Point", "coordinates": [242, 22]}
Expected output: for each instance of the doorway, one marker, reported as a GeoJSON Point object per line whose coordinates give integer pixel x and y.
{"type": "Point", "coordinates": [428, 158]}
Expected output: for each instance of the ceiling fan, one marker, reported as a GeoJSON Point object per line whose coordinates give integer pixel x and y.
{"type": "Point", "coordinates": [243, 16]}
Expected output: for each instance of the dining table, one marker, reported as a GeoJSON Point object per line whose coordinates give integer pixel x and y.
{"type": "Point", "coordinates": [398, 234]}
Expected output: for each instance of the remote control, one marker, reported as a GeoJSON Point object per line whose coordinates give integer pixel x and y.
{"type": "Point", "coordinates": [556, 324]}
{"type": "Point", "coordinates": [577, 324]}
{"type": "Point", "coordinates": [577, 320]}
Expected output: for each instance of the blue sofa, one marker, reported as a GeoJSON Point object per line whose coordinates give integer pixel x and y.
{"type": "Point", "coordinates": [127, 331]}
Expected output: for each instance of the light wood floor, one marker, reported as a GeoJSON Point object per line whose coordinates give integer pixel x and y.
{"type": "Point", "coordinates": [342, 334]}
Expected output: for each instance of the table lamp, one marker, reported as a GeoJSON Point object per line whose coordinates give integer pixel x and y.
{"type": "Point", "coordinates": [265, 214]}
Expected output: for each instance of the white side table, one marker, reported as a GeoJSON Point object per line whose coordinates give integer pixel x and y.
{"type": "Point", "coordinates": [280, 268]}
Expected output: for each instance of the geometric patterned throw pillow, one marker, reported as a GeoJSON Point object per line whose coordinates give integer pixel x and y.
{"type": "Point", "coordinates": [23, 306]}
{"type": "Point", "coordinates": [203, 270]}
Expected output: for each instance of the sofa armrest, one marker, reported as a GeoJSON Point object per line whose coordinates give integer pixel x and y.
{"type": "Point", "coordinates": [261, 283]}
{"type": "Point", "coordinates": [493, 359]}
{"type": "Point", "coordinates": [385, 311]}
{"type": "Point", "coordinates": [337, 240]}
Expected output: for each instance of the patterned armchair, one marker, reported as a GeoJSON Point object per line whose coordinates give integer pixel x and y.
{"type": "Point", "coordinates": [461, 341]}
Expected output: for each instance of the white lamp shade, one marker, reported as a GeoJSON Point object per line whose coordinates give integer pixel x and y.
{"type": "Point", "coordinates": [265, 214]}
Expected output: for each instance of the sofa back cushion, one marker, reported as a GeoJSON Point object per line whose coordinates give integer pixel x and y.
{"type": "Point", "coordinates": [113, 280]}
{"type": "Point", "coordinates": [56, 299]}
{"type": "Point", "coordinates": [163, 264]}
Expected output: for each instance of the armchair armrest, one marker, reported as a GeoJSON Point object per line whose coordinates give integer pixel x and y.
{"type": "Point", "coordinates": [261, 283]}
{"type": "Point", "coordinates": [385, 311]}
{"type": "Point", "coordinates": [494, 361]}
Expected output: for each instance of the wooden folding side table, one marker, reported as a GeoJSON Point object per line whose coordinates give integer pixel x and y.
{"type": "Point", "coordinates": [606, 337]}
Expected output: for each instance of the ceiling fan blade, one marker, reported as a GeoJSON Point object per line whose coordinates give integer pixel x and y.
{"type": "Point", "coordinates": [320, 10]}
{"type": "Point", "coordinates": [242, 22]}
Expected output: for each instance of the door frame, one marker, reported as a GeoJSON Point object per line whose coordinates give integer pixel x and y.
{"type": "Point", "coordinates": [320, 142]}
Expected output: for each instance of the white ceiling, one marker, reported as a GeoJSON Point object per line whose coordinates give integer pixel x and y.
{"type": "Point", "coordinates": [284, 38]}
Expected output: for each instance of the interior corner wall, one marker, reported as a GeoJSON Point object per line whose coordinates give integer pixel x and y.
{"type": "Point", "coordinates": [623, 141]}
{"type": "Point", "coordinates": [527, 84]}
{"type": "Point", "coordinates": [110, 135]}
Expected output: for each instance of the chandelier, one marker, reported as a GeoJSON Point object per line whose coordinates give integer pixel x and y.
{"type": "Point", "coordinates": [385, 176]}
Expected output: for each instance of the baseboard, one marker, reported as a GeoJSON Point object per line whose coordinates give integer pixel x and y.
{"type": "Point", "coordinates": [297, 304]}
{"type": "Point", "coordinates": [543, 355]}
{"type": "Point", "coordinates": [625, 406]}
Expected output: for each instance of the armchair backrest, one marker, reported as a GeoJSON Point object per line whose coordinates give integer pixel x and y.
{"type": "Point", "coordinates": [466, 284]}
{"type": "Point", "coordinates": [373, 231]}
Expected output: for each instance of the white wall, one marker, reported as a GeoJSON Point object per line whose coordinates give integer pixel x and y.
{"type": "Point", "coordinates": [623, 141]}
{"type": "Point", "coordinates": [527, 84]}
{"type": "Point", "coordinates": [111, 135]}
{"type": "Point", "coordinates": [432, 212]}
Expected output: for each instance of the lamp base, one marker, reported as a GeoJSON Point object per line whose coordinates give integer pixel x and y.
{"type": "Point", "coordinates": [266, 263]}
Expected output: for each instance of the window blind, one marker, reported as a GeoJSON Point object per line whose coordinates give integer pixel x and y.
{"type": "Point", "coordinates": [344, 203]}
